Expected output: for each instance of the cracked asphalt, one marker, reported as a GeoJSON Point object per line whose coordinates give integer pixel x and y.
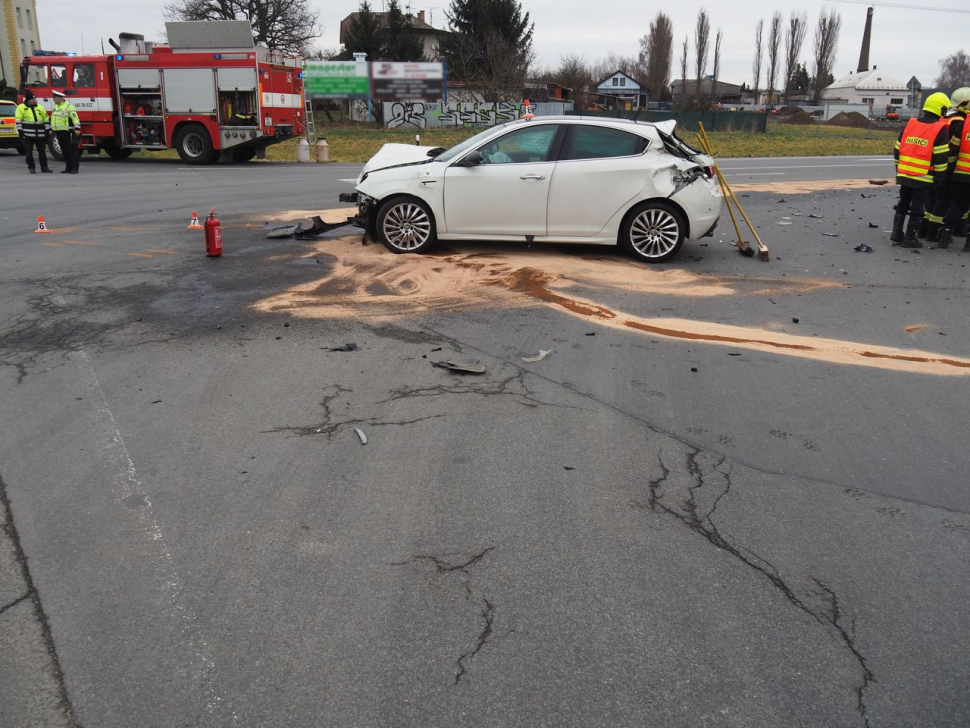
{"type": "Point", "coordinates": [192, 533]}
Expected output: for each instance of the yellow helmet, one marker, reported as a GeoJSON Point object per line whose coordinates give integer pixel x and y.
{"type": "Point", "coordinates": [937, 103]}
{"type": "Point", "coordinates": [961, 98]}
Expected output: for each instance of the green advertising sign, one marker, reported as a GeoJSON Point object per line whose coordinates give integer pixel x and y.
{"type": "Point", "coordinates": [336, 79]}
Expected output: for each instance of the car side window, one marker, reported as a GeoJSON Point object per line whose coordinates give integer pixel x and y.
{"type": "Point", "coordinates": [600, 142]}
{"type": "Point", "coordinates": [83, 75]}
{"type": "Point", "coordinates": [520, 146]}
{"type": "Point", "coordinates": [36, 76]}
{"type": "Point", "coordinates": [59, 76]}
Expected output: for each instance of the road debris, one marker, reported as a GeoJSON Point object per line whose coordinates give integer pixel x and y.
{"type": "Point", "coordinates": [538, 357]}
{"type": "Point", "coordinates": [863, 248]}
{"type": "Point", "coordinates": [817, 217]}
{"type": "Point", "coordinates": [831, 235]}
{"type": "Point", "coordinates": [693, 369]}
{"type": "Point", "coordinates": [350, 346]}
{"type": "Point", "coordinates": [873, 226]}
{"type": "Point", "coordinates": [879, 182]}
{"type": "Point", "coordinates": [361, 435]}
{"type": "Point", "coordinates": [280, 229]}
{"type": "Point", "coordinates": [794, 320]}
{"type": "Point", "coordinates": [463, 366]}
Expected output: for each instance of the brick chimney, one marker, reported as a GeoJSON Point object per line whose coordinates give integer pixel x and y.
{"type": "Point", "coordinates": [866, 38]}
{"type": "Point", "coordinates": [420, 16]}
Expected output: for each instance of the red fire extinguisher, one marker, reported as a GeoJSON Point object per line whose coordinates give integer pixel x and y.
{"type": "Point", "coordinates": [213, 235]}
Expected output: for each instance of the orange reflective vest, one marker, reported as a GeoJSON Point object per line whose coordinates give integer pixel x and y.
{"type": "Point", "coordinates": [962, 167]}
{"type": "Point", "coordinates": [917, 148]}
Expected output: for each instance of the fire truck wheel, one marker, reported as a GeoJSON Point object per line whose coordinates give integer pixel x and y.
{"type": "Point", "coordinates": [243, 155]}
{"type": "Point", "coordinates": [55, 149]}
{"type": "Point", "coordinates": [194, 145]}
{"type": "Point", "coordinates": [117, 153]}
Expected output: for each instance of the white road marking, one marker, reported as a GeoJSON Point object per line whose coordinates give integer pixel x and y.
{"type": "Point", "coordinates": [130, 494]}
{"type": "Point", "coordinates": [757, 174]}
{"type": "Point", "coordinates": [348, 180]}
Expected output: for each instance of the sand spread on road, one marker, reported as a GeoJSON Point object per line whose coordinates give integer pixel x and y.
{"type": "Point", "coordinates": [369, 283]}
{"type": "Point", "coordinates": [804, 187]}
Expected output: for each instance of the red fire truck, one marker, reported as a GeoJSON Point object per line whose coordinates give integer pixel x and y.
{"type": "Point", "coordinates": [209, 93]}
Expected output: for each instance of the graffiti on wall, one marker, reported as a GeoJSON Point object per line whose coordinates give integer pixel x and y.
{"type": "Point", "coordinates": [428, 115]}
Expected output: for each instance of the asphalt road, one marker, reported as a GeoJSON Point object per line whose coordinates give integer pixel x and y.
{"type": "Point", "coordinates": [729, 518]}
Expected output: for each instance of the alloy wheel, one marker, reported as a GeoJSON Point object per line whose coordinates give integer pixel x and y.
{"type": "Point", "coordinates": [407, 226]}
{"type": "Point", "coordinates": [654, 233]}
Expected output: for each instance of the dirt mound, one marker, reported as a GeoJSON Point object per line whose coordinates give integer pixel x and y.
{"type": "Point", "coordinates": [851, 119]}
{"type": "Point", "coordinates": [793, 115]}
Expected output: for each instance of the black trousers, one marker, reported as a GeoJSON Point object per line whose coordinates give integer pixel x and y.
{"type": "Point", "coordinates": [72, 157]}
{"type": "Point", "coordinates": [41, 144]}
{"type": "Point", "coordinates": [913, 200]}
{"type": "Point", "coordinates": [959, 204]}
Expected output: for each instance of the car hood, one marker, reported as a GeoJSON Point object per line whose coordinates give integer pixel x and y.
{"type": "Point", "coordinates": [392, 155]}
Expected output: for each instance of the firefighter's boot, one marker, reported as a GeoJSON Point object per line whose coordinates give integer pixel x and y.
{"type": "Point", "coordinates": [910, 240]}
{"type": "Point", "coordinates": [898, 222]}
{"type": "Point", "coordinates": [960, 230]}
{"type": "Point", "coordinates": [934, 231]}
{"type": "Point", "coordinates": [946, 237]}
{"type": "Point", "coordinates": [966, 245]}
{"type": "Point", "coordinates": [922, 228]}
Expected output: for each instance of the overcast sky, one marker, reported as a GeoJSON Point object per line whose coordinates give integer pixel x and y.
{"type": "Point", "coordinates": [592, 29]}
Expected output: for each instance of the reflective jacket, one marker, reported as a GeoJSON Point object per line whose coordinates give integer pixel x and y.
{"type": "Point", "coordinates": [960, 149]}
{"type": "Point", "coordinates": [32, 122]}
{"type": "Point", "coordinates": [64, 117]}
{"type": "Point", "coordinates": [922, 152]}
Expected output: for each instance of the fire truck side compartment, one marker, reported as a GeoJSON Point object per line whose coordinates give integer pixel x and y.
{"type": "Point", "coordinates": [189, 91]}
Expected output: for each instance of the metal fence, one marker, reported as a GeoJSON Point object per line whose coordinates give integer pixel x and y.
{"type": "Point", "coordinates": [690, 120]}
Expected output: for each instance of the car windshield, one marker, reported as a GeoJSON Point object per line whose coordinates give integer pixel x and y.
{"type": "Point", "coordinates": [461, 148]}
{"type": "Point", "coordinates": [7, 108]}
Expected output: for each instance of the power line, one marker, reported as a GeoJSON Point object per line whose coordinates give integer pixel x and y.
{"type": "Point", "coordinates": [902, 6]}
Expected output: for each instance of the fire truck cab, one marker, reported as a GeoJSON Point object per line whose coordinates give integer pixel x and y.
{"type": "Point", "coordinates": [211, 94]}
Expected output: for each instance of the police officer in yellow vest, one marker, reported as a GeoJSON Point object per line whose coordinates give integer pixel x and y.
{"type": "Point", "coordinates": [922, 159]}
{"type": "Point", "coordinates": [67, 128]}
{"type": "Point", "coordinates": [33, 128]}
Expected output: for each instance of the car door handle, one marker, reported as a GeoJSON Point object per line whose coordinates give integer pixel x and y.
{"type": "Point", "coordinates": [533, 176]}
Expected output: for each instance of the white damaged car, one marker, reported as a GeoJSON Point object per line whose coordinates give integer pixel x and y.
{"type": "Point", "coordinates": [552, 179]}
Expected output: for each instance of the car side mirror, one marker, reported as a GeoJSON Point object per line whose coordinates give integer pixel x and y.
{"type": "Point", "coordinates": [472, 159]}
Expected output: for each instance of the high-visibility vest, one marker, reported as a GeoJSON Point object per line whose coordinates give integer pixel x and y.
{"type": "Point", "coordinates": [31, 121]}
{"type": "Point", "coordinates": [963, 155]}
{"type": "Point", "coordinates": [64, 117]}
{"type": "Point", "coordinates": [916, 150]}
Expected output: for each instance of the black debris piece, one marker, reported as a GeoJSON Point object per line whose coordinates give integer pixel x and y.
{"type": "Point", "coordinates": [591, 333]}
{"type": "Point", "coordinates": [286, 325]}
{"type": "Point", "coordinates": [350, 346]}
{"type": "Point", "coordinates": [437, 348]}
{"type": "Point", "coordinates": [879, 182]}
{"type": "Point", "coordinates": [863, 248]}
{"type": "Point", "coordinates": [734, 353]}
{"type": "Point", "coordinates": [873, 226]}
{"type": "Point", "coordinates": [566, 467]}
{"type": "Point", "coordinates": [693, 369]}
{"type": "Point", "coordinates": [816, 217]}
{"type": "Point", "coordinates": [794, 320]}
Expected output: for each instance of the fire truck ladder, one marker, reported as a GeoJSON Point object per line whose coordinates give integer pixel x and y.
{"type": "Point", "coordinates": [311, 129]}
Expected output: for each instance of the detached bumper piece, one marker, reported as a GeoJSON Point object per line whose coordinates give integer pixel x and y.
{"type": "Point", "coordinates": [320, 227]}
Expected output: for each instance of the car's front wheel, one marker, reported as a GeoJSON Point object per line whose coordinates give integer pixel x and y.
{"type": "Point", "coordinates": [406, 225]}
{"type": "Point", "coordinates": [654, 232]}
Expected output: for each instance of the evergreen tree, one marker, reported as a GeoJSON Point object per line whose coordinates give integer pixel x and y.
{"type": "Point", "coordinates": [490, 45]}
{"type": "Point", "coordinates": [401, 43]}
{"type": "Point", "coordinates": [364, 35]}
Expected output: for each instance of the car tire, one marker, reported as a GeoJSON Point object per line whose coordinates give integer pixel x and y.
{"type": "Point", "coordinates": [653, 231]}
{"type": "Point", "coordinates": [406, 225]}
{"type": "Point", "coordinates": [55, 148]}
{"type": "Point", "coordinates": [118, 152]}
{"type": "Point", "coordinates": [239, 156]}
{"type": "Point", "coordinates": [194, 145]}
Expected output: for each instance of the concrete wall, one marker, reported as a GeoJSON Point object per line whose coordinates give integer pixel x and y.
{"type": "Point", "coordinates": [436, 115]}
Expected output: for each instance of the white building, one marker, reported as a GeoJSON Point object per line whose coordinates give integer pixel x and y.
{"type": "Point", "coordinates": [874, 88]}
{"type": "Point", "coordinates": [625, 90]}
{"type": "Point", "coordinates": [19, 37]}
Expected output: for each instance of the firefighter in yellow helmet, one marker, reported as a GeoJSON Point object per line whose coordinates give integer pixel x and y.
{"type": "Point", "coordinates": [958, 180]}
{"type": "Point", "coordinates": [922, 156]}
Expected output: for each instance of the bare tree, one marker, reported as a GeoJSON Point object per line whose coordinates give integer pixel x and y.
{"type": "Point", "coordinates": [774, 43]}
{"type": "Point", "coordinates": [954, 70]}
{"type": "Point", "coordinates": [492, 65]}
{"type": "Point", "coordinates": [657, 54]}
{"type": "Point", "coordinates": [759, 52]}
{"type": "Point", "coordinates": [573, 73]}
{"type": "Point", "coordinates": [717, 65]}
{"type": "Point", "coordinates": [630, 65]}
{"type": "Point", "coordinates": [824, 48]}
{"type": "Point", "coordinates": [702, 42]}
{"type": "Point", "coordinates": [284, 25]}
{"type": "Point", "coordinates": [794, 40]}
